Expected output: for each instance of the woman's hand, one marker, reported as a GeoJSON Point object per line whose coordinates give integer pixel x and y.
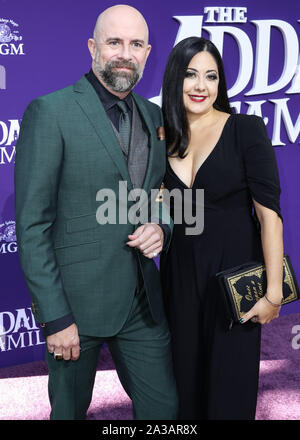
{"type": "Point", "coordinates": [148, 238]}
{"type": "Point", "coordinates": [262, 312]}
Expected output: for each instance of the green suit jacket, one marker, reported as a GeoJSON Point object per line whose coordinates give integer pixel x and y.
{"type": "Point", "coordinates": [66, 152]}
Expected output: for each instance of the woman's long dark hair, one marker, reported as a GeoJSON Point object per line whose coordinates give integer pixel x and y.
{"type": "Point", "coordinates": [175, 119]}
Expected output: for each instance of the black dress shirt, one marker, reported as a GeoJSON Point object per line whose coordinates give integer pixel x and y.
{"type": "Point", "coordinates": [110, 101]}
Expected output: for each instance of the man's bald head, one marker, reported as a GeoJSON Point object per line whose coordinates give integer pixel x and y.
{"type": "Point", "coordinates": [119, 48]}
{"type": "Point", "coordinates": [120, 14]}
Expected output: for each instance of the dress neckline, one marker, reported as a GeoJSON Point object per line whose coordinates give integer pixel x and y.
{"type": "Point", "coordinates": [206, 159]}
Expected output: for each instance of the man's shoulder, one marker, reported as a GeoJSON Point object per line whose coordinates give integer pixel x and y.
{"type": "Point", "coordinates": [57, 97]}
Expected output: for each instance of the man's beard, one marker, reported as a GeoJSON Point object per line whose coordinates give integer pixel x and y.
{"type": "Point", "coordinates": [119, 81]}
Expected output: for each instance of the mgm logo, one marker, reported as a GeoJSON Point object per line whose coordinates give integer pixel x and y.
{"type": "Point", "coordinates": [8, 239]}
{"type": "Point", "coordinates": [10, 38]}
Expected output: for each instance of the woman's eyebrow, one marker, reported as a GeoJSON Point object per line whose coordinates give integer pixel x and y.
{"type": "Point", "coordinates": [195, 70]}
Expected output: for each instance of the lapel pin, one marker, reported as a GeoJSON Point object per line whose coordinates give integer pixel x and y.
{"type": "Point", "coordinates": [160, 196]}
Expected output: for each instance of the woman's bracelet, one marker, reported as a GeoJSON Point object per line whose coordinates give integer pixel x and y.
{"type": "Point", "coordinates": [273, 304]}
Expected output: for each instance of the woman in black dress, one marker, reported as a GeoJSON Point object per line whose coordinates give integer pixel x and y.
{"type": "Point", "coordinates": [231, 158]}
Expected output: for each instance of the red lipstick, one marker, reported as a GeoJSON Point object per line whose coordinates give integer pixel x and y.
{"type": "Point", "coordinates": [197, 98]}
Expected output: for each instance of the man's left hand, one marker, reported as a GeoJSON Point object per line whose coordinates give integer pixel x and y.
{"type": "Point", "coordinates": [148, 239]}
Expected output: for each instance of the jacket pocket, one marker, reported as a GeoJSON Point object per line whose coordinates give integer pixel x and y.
{"type": "Point", "coordinates": [82, 223]}
{"type": "Point", "coordinates": [77, 253]}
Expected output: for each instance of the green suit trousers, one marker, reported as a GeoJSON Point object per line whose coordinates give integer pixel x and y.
{"type": "Point", "coordinates": [142, 355]}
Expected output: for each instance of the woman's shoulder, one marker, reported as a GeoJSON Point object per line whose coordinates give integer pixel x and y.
{"type": "Point", "coordinates": [248, 120]}
{"type": "Point", "coordinates": [250, 127]}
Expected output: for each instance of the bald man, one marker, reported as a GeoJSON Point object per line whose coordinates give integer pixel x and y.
{"type": "Point", "coordinates": [94, 281]}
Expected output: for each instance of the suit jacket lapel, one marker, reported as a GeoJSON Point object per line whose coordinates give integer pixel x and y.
{"type": "Point", "coordinates": [151, 129]}
{"type": "Point", "coordinates": [88, 100]}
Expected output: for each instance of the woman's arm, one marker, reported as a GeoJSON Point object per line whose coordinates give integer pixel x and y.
{"type": "Point", "coordinates": [272, 244]}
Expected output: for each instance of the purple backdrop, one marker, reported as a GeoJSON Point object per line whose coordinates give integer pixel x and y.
{"type": "Point", "coordinates": [43, 47]}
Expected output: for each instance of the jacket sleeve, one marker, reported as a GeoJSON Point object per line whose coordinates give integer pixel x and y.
{"type": "Point", "coordinates": [51, 327]}
{"type": "Point", "coordinates": [38, 162]}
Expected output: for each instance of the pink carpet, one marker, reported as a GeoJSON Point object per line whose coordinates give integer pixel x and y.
{"type": "Point", "coordinates": [23, 388]}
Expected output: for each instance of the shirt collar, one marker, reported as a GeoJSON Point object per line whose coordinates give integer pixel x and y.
{"type": "Point", "coordinates": [108, 99]}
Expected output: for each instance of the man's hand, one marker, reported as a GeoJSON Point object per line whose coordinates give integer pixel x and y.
{"type": "Point", "coordinates": [148, 239]}
{"type": "Point", "coordinates": [65, 342]}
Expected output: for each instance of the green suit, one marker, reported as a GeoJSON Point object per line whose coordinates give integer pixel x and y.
{"type": "Point", "coordinates": [67, 151]}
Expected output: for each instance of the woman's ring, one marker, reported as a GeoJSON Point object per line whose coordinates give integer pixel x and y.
{"type": "Point", "coordinates": [155, 254]}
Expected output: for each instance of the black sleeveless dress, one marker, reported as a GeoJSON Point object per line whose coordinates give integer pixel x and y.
{"type": "Point", "coordinates": [217, 368]}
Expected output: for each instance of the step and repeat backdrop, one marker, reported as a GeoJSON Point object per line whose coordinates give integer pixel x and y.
{"type": "Point", "coordinates": [43, 47]}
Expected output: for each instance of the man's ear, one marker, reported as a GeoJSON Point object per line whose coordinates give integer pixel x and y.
{"type": "Point", "coordinates": [148, 50]}
{"type": "Point", "coordinates": [92, 47]}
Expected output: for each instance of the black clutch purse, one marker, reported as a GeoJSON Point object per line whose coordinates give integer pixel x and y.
{"type": "Point", "coordinates": [244, 285]}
